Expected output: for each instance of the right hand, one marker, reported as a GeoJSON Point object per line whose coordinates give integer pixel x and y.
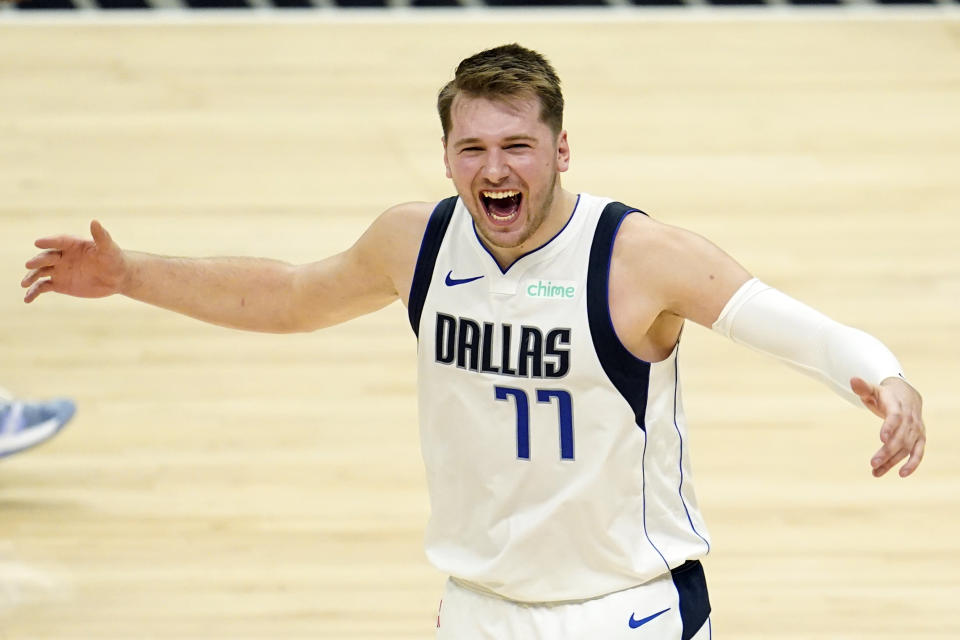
{"type": "Point", "coordinates": [76, 267]}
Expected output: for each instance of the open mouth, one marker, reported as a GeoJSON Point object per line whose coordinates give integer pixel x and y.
{"type": "Point", "coordinates": [502, 207]}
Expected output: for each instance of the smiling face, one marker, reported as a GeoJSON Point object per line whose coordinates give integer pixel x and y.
{"type": "Point", "coordinates": [505, 163]}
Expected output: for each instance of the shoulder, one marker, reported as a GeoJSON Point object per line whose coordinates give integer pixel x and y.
{"type": "Point", "coordinates": [643, 231]}
{"type": "Point", "coordinates": [641, 240]}
{"type": "Point", "coordinates": [682, 272]}
{"type": "Point", "coordinates": [399, 229]}
{"type": "Point", "coordinates": [408, 216]}
{"type": "Point", "coordinates": [393, 241]}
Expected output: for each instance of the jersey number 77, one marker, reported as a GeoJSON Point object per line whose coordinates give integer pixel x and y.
{"type": "Point", "coordinates": [545, 396]}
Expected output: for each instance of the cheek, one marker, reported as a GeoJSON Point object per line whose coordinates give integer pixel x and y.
{"type": "Point", "coordinates": [463, 170]}
{"type": "Point", "coordinates": [540, 162]}
{"type": "Point", "coordinates": [535, 172]}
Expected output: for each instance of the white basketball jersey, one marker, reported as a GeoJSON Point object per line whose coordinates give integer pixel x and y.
{"type": "Point", "coordinates": [557, 462]}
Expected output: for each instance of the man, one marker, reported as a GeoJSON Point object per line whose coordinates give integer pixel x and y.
{"type": "Point", "coordinates": [548, 325]}
{"type": "Point", "coordinates": [26, 424]}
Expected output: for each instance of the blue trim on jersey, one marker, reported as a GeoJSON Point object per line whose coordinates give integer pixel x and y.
{"type": "Point", "coordinates": [629, 374]}
{"type": "Point", "coordinates": [643, 496]}
{"type": "Point", "coordinates": [427, 259]}
{"type": "Point", "coordinates": [555, 236]}
{"type": "Point", "coordinates": [676, 390]}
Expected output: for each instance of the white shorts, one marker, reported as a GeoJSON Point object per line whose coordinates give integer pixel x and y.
{"type": "Point", "coordinates": [672, 607]}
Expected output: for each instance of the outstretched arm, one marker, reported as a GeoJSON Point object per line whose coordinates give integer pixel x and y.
{"type": "Point", "coordinates": [691, 278]}
{"type": "Point", "coordinates": [853, 363]}
{"type": "Point", "coordinates": [244, 293]}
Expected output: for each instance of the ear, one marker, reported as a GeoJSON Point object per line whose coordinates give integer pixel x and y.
{"type": "Point", "coordinates": [563, 152]}
{"type": "Point", "coordinates": [446, 163]}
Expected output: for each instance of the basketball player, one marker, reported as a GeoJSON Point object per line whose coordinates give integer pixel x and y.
{"type": "Point", "coordinates": [548, 324]}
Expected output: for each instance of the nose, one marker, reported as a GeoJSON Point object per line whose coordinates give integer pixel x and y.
{"type": "Point", "coordinates": [495, 167]}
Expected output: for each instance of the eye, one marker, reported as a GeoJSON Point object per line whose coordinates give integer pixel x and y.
{"type": "Point", "coordinates": [470, 149]}
{"type": "Point", "coordinates": [518, 145]}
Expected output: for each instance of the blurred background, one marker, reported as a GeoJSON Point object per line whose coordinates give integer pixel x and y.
{"type": "Point", "coordinates": [218, 484]}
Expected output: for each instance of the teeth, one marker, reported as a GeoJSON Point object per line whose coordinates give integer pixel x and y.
{"type": "Point", "coordinates": [499, 195]}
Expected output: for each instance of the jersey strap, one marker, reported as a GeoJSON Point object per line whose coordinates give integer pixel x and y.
{"type": "Point", "coordinates": [691, 587]}
{"type": "Point", "coordinates": [427, 259]}
{"type": "Point", "coordinates": [629, 374]}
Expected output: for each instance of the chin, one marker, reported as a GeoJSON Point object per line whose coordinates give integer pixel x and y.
{"type": "Point", "coordinates": [512, 239]}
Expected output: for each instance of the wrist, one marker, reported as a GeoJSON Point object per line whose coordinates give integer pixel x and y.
{"type": "Point", "coordinates": [129, 278]}
{"type": "Point", "coordinates": [893, 380]}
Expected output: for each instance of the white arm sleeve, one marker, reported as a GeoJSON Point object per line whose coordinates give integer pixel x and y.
{"type": "Point", "coordinates": [771, 322]}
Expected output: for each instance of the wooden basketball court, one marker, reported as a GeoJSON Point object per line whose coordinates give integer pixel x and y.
{"type": "Point", "coordinates": [217, 484]}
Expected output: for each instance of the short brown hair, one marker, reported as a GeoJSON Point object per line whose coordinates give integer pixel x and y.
{"type": "Point", "coordinates": [502, 73]}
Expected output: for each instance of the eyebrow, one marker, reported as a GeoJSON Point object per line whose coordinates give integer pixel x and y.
{"type": "Point", "coordinates": [514, 138]}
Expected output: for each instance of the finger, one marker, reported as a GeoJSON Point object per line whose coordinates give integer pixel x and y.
{"type": "Point", "coordinates": [916, 456]}
{"type": "Point", "coordinates": [891, 425]}
{"type": "Point", "coordinates": [41, 286]}
{"type": "Point", "coordinates": [904, 442]}
{"type": "Point", "coordinates": [890, 463]}
{"type": "Point", "coordinates": [100, 235]}
{"type": "Point", "coordinates": [894, 440]}
{"type": "Point", "coordinates": [52, 242]}
{"type": "Point", "coordinates": [48, 258]}
{"type": "Point", "coordinates": [36, 274]}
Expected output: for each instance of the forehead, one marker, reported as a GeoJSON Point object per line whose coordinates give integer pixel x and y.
{"type": "Point", "coordinates": [478, 117]}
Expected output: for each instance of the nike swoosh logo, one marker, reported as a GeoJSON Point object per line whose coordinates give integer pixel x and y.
{"type": "Point", "coordinates": [639, 623]}
{"type": "Point", "coordinates": [452, 282]}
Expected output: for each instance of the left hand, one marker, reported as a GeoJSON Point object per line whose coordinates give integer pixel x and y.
{"type": "Point", "coordinates": [902, 431]}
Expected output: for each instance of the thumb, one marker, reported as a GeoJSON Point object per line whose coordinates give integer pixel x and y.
{"type": "Point", "coordinates": [868, 393]}
{"type": "Point", "coordinates": [100, 235]}
{"type": "Point", "coordinates": [861, 387]}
